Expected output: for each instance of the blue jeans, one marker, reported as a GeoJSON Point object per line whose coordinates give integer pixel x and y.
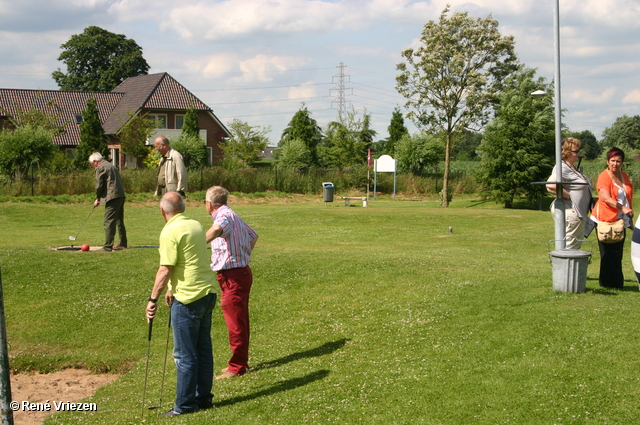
{"type": "Point", "coordinates": [193, 352]}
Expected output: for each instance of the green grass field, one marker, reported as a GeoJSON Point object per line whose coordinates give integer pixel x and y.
{"type": "Point", "coordinates": [372, 315]}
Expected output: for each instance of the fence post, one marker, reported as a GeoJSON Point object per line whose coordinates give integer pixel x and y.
{"type": "Point", "coordinates": [5, 380]}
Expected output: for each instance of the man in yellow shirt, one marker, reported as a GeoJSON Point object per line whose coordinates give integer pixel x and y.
{"type": "Point", "coordinates": [184, 270]}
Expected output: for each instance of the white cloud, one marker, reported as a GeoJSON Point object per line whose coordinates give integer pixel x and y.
{"type": "Point", "coordinates": [632, 97]}
{"type": "Point", "coordinates": [265, 68]}
{"type": "Point", "coordinates": [586, 96]}
{"type": "Point", "coordinates": [304, 91]}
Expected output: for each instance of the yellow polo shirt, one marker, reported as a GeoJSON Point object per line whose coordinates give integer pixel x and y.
{"type": "Point", "coordinates": [183, 246]}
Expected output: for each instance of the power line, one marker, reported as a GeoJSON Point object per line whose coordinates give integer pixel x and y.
{"type": "Point", "coordinates": [267, 101]}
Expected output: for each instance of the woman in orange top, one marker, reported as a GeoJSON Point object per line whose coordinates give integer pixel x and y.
{"type": "Point", "coordinates": [614, 193]}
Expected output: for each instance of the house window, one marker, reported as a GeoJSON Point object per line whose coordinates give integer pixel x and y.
{"type": "Point", "coordinates": [179, 121]}
{"type": "Point", "coordinates": [160, 119]}
{"type": "Point", "coordinates": [78, 119]}
{"type": "Point", "coordinates": [210, 155]}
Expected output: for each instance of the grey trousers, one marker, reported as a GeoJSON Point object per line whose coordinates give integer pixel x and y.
{"type": "Point", "coordinates": [114, 219]}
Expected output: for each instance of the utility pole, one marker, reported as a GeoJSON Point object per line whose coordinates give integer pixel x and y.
{"type": "Point", "coordinates": [340, 90]}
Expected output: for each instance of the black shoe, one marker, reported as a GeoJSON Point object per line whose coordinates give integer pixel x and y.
{"type": "Point", "coordinates": [205, 404]}
{"type": "Point", "coordinates": [171, 413]}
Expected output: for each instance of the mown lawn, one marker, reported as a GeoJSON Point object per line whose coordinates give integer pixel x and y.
{"type": "Point", "coordinates": [374, 316]}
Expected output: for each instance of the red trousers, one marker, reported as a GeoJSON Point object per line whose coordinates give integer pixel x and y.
{"type": "Point", "coordinates": [235, 285]}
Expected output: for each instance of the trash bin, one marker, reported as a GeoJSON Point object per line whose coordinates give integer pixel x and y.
{"type": "Point", "coordinates": [328, 191]}
{"type": "Point", "coordinates": [570, 270]}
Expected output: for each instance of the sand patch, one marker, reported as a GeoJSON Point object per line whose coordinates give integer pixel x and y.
{"type": "Point", "coordinates": [69, 385]}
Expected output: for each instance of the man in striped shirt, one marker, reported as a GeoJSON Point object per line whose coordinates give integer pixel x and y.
{"type": "Point", "coordinates": [232, 241]}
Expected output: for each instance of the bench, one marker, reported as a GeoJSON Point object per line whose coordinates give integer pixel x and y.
{"type": "Point", "coordinates": [354, 198]}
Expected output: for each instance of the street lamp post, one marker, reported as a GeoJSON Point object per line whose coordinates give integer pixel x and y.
{"type": "Point", "coordinates": [559, 212]}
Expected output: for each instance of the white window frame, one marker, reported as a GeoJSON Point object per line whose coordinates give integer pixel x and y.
{"type": "Point", "coordinates": [157, 117]}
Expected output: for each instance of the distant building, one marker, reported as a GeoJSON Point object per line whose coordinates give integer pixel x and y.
{"type": "Point", "coordinates": [158, 95]}
{"type": "Point", "coordinates": [267, 152]}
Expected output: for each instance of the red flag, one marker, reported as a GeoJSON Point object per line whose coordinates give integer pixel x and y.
{"type": "Point", "coordinates": [369, 162]}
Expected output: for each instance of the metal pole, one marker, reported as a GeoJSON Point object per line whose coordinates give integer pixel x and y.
{"type": "Point", "coordinates": [559, 215]}
{"type": "Point", "coordinates": [5, 380]}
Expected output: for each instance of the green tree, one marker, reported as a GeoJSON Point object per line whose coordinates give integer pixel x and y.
{"type": "Point", "coordinates": [466, 145]}
{"type": "Point", "coordinates": [193, 151]}
{"type": "Point", "coordinates": [518, 147]}
{"type": "Point", "coordinates": [98, 60]}
{"type": "Point", "coordinates": [92, 137]}
{"type": "Point", "coordinates": [245, 144]}
{"type": "Point", "coordinates": [303, 127]}
{"type": "Point", "coordinates": [346, 144]}
{"type": "Point", "coordinates": [624, 133]}
{"type": "Point", "coordinates": [191, 128]}
{"type": "Point", "coordinates": [23, 147]}
{"type": "Point", "coordinates": [134, 134]}
{"type": "Point", "coordinates": [397, 131]}
{"type": "Point", "coordinates": [293, 153]}
{"type": "Point", "coordinates": [590, 148]}
{"type": "Point", "coordinates": [451, 81]}
{"type": "Point", "coordinates": [417, 152]}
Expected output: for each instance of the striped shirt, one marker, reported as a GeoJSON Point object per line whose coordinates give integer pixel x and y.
{"type": "Point", "coordinates": [232, 249]}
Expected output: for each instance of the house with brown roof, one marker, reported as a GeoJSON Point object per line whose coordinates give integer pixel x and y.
{"type": "Point", "coordinates": [159, 96]}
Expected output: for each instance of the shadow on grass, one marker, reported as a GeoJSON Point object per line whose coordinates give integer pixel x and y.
{"type": "Point", "coordinates": [289, 384]}
{"type": "Point", "coordinates": [603, 290]}
{"type": "Point", "coordinates": [326, 348]}
{"type": "Point", "coordinates": [543, 204]}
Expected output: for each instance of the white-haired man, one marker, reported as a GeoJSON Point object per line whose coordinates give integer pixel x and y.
{"type": "Point", "coordinates": [172, 174]}
{"type": "Point", "coordinates": [110, 188]}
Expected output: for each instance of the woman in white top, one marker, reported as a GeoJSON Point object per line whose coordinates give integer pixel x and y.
{"type": "Point", "coordinates": [577, 197]}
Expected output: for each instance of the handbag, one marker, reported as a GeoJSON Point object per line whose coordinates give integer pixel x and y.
{"type": "Point", "coordinates": [611, 232]}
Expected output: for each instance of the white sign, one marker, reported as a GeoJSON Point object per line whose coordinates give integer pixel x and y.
{"type": "Point", "coordinates": [385, 164]}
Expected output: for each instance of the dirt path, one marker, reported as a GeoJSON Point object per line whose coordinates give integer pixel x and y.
{"type": "Point", "coordinates": [69, 385]}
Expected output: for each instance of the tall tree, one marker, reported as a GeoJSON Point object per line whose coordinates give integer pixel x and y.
{"type": "Point", "coordinates": [590, 148]}
{"type": "Point", "coordinates": [397, 131]}
{"type": "Point", "coordinates": [518, 147]}
{"type": "Point", "coordinates": [134, 134]}
{"type": "Point", "coordinates": [191, 127]}
{"type": "Point", "coordinates": [451, 80]}
{"type": "Point", "coordinates": [99, 60]}
{"type": "Point", "coordinates": [466, 144]}
{"type": "Point", "coordinates": [303, 127]}
{"type": "Point", "coordinates": [92, 137]}
{"type": "Point", "coordinates": [245, 144]}
{"type": "Point", "coordinates": [346, 142]}
{"type": "Point", "coordinates": [190, 145]}
{"type": "Point", "coordinates": [624, 133]}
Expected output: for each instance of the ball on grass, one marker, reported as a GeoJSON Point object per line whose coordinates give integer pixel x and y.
{"type": "Point", "coordinates": [85, 247]}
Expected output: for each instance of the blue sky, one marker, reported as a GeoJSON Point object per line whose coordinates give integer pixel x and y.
{"type": "Point", "coordinates": [259, 60]}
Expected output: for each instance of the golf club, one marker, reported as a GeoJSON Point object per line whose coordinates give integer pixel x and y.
{"type": "Point", "coordinates": [146, 373]}
{"type": "Point", "coordinates": [164, 369]}
{"type": "Point", "coordinates": [73, 238]}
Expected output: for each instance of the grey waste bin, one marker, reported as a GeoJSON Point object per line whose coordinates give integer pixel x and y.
{"type": "Point", "coordinates": [328, 191]}
{"type": "Point", "coordinates": [570, 270]}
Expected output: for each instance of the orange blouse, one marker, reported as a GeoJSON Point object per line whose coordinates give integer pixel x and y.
{"type": "Point", "coordinates": [603, 211]}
